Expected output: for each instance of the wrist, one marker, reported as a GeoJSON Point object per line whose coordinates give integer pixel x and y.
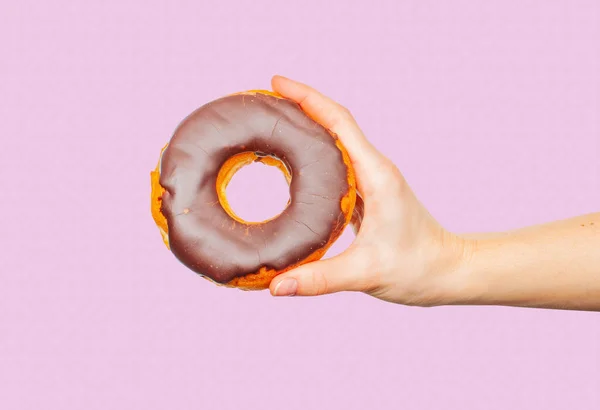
{"type": "Point", "coordinates": [459, 282]}
{"type": "Point", "coordinates": [448, 272]}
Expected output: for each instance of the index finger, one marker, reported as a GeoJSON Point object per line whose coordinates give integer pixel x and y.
{"type": "Point", "coordinates": [332, 116]}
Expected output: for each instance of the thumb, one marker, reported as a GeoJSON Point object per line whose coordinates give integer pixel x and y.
{"type": "Point", "coordinates": [337, 274]}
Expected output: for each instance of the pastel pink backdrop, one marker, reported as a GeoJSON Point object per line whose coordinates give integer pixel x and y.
{"type": "Point", "coordinates": [491, 109]}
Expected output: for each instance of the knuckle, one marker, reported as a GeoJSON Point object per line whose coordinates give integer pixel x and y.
{"type": "Point", "coordinates": [340, 115]}
{"type": "Point", "coordinates": [391, 171]}
{"type": "Point", "coordinates": [318, 283]}
{"type": "Point", "coordinates": [347, 116]}
{"type": "Point", "coordinates": [393, 177]}
{"type": "Point", "coordinates": [388, 177]}
{"type": "Point", "coordinates": [345, 112]}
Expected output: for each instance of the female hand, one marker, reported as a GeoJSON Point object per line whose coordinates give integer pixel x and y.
{"type": "Point", "coordinates": [400, 253]}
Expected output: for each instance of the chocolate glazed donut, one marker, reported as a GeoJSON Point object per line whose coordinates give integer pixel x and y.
{"type": "Point", "coordinates": [208, 147]}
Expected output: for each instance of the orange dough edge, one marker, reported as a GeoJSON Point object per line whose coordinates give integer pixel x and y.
{"type": "Point", "coordinates": [257, 280]}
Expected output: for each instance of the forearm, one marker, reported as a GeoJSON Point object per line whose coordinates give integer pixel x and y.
{"type": "Point", "coordinates": [556, 265]}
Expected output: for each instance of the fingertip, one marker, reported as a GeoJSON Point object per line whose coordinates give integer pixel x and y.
{"type": "Point", "coordinates": [279, 77]}
{"type": "Point", "coordinates": [292, 89]}
{"type": "Point", "coordinates": [279, 82]}
{"type": "Point", "coordinates": [273, 285]}
{"type": "Point", "coordinates": [285, 286]}
{"type": "Point", "coordinates": [275, 80]}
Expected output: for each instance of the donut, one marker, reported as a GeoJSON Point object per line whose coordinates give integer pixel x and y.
{"type": "Point", "coordinates": [189, 204]}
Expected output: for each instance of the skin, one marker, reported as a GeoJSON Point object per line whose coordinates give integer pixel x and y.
{"type": "Point", "coordinates": [401, 254]}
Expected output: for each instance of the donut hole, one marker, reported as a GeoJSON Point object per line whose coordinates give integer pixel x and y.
{"type": "Point", "coordinates": [256, 191]}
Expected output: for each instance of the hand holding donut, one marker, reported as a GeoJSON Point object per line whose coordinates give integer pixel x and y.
{"type": "Point", "coordinates": [400, 254]}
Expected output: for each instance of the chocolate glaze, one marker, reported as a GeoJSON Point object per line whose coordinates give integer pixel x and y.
{"type": "Point", "coordinates": [201, 233]}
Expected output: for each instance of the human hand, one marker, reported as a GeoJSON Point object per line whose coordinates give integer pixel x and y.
{"type": "Point", "coordinates": [400, 253]}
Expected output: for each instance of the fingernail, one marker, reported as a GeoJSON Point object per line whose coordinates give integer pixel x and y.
{"type": "Point", "coordinates": [287, 287]}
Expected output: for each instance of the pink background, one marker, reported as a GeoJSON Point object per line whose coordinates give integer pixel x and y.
{"type": "Point", "coordinates": [490, 108]}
